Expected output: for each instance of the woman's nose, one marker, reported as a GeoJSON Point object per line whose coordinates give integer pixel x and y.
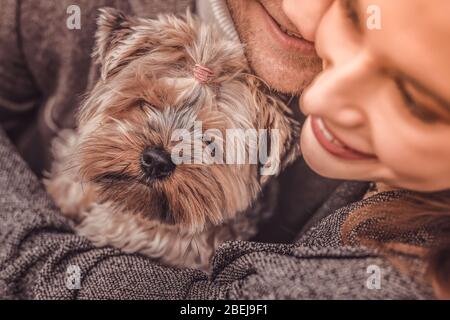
{"type": "Point", "coordinates": [331, 95]}
{"type": "Point", "coordinates": [306, 15]}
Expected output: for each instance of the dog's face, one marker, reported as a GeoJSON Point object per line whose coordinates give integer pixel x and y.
{"type": "Point", "coordinates": [148, 92]}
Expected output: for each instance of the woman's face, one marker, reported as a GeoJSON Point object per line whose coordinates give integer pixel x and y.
{"type": "Point", "coordinates": [380, 110]}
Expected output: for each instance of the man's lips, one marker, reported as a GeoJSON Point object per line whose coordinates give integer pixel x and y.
{"type": "Point", "coordinates": [289, 39]}
{"type": "Point", "coordinates": [334, 145]}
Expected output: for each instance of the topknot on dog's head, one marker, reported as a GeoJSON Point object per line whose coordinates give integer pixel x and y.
{"type": "Point", "coordinates": [186, 46]}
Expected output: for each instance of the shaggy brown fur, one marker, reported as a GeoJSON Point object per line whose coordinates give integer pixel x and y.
{"type": "Point", "coordinates": [147, 90]}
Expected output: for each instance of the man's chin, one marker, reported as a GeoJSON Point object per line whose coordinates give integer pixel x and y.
{"type": "Point", "coordinates": [286, 70]}
{"type": "Point", "coordinates": [285, 80]}
{"type": "Point", "coordinates": [280, 85]}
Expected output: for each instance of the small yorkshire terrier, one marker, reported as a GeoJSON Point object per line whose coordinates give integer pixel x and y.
{"type": "Point", "coordinates": [117, 175]}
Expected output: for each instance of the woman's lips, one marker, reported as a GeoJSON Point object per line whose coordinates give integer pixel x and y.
{"type": "Point", "coordinates": [333, 145]}
{"type": "Point", "coordinates": [289, 42]}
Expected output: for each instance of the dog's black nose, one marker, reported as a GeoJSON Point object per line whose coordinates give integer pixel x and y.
{"type": "Point", "coordinates": [156, 163]}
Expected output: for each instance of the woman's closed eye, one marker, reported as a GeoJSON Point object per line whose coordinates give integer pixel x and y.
{"type": "Point", "coordinates": [422, 105]}
{"type": "Point", "coordinates": [414, 105]}
{"type": "Point", "coordinates": [350, 11]}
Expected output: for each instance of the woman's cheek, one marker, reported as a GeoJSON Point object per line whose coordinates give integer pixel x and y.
{"type": "Point", "coordinates": [411, 158]}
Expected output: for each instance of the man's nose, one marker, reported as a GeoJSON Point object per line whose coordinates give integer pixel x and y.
{"type": "Point", "coordinates": [306, 15]}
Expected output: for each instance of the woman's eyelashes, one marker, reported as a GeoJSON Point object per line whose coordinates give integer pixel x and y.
{"type": "Point", "coordinates": [349, 11]}
{"type": "Point", "coordinates": [417, 109]}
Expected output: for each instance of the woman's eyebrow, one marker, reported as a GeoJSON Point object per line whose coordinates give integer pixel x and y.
{"type": "Point", "coordinates": [351, 10]}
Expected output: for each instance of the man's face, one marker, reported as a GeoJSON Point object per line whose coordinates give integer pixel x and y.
{"type": "Point", "coordinates": [276, 51]}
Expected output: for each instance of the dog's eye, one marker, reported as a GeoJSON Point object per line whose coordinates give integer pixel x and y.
{"type": "Point", "coordinates": [142, 104]}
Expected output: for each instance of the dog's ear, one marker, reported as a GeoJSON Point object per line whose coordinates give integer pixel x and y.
{"type": "Point", "coordinates": [113, 28]}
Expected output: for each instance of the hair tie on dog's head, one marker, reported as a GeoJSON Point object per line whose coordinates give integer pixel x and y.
{"type": "Point", "coordinates": [202, 74]}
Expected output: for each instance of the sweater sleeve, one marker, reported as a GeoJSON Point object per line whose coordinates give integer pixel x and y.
{"type": "Point", "coordinates": [18, 93]}
{"type": "Point", "coordinates": [41, 257]}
